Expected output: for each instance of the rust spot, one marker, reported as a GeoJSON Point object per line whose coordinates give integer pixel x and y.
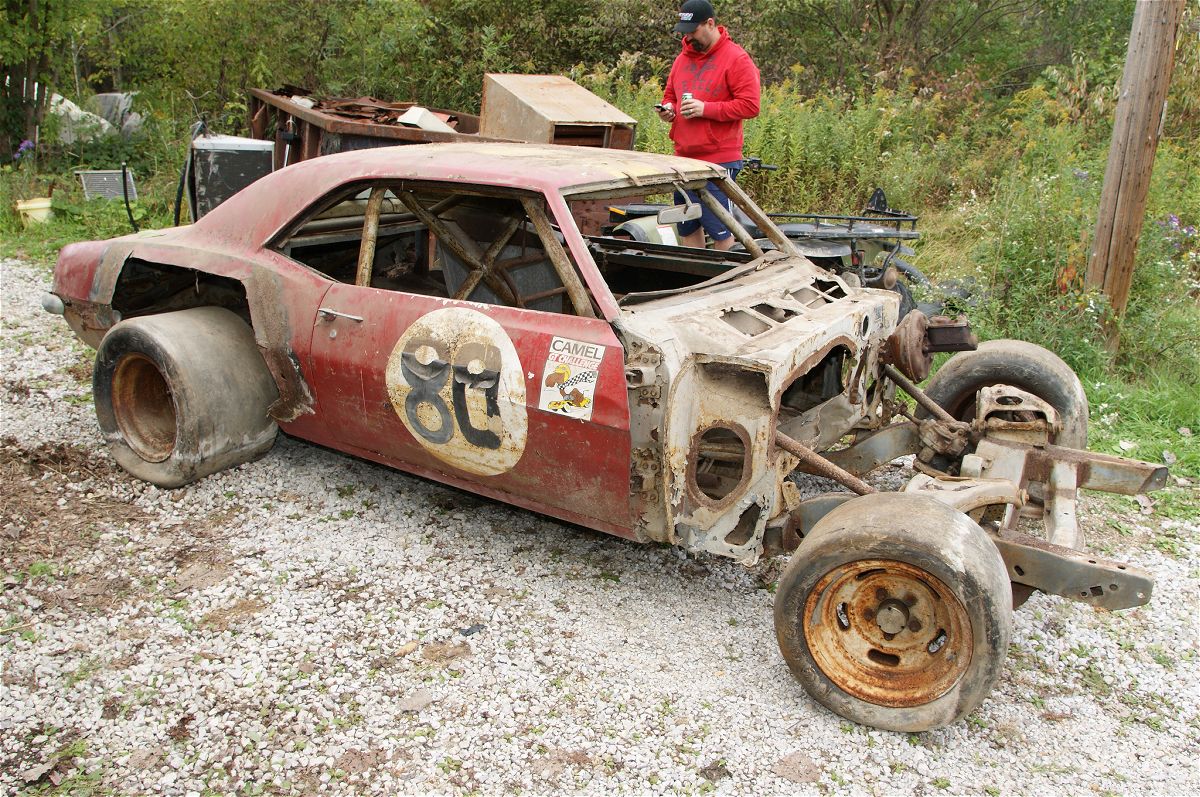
{"type": "Point", "coordinates": [295, 399]}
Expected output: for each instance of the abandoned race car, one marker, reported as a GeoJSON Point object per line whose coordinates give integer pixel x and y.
{"type": "Point", "coordinates": [456, 311]}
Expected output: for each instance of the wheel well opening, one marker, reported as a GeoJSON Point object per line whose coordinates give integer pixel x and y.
{"type": "Point", "coordinates": [823, 381]}
{"type": "Point", "coordinates": [146, 288]}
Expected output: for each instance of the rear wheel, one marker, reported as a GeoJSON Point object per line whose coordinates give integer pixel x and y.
{"type": "Point", "coordinates": [895, 612]}
{"type": "Point", "coordinates": [182, 395]}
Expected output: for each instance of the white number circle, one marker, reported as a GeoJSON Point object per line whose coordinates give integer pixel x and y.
{"type": "Point", "coordinates": [456, 382]}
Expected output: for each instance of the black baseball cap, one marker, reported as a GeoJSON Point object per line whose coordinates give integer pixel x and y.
{"type": "Point", "coordinates": [693, 14]}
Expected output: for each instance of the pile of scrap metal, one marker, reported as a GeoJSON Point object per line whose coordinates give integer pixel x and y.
{"type": "Point", "coordinates": [543, 109]}
{"type": "Point", "coordinates": [305, 126]}
{"type": "Point", "coordinates": [374, 111]}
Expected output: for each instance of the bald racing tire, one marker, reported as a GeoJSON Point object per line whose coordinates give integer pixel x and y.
{"type": "Point", "coordinates": [182, 395]}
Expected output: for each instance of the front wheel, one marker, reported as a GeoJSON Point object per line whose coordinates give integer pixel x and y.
{"type": "Point", "coordinates": [1022, 365]}
{"type": "Point", "coordinates": [184, 394]}
{"type": "Point", "coordinates": [895, 612]}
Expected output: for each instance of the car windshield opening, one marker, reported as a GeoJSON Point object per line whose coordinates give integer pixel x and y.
{"type": "Point", "coordinates": [636, 237]}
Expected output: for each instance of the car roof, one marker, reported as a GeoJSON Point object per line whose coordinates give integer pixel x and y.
{"type": "Point", "coordinates": [545, 167]}
{"type": "Point", "coordinates": [257, 212]}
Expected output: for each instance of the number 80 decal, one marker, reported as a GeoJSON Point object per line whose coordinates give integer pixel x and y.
{"type": "Point", "coordinates": [456, 382]}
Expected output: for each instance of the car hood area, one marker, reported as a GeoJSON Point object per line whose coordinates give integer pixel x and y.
{"type": "Point", "coordinates": [770, 318]}
{"type": "Point", "coordinates": [715, 370]}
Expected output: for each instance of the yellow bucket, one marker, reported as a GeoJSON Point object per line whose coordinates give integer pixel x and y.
{"type": "Point", "coordinates": [34, 210]}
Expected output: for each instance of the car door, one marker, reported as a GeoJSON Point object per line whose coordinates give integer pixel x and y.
{"type": "Point", "coordinates": [524, 404]}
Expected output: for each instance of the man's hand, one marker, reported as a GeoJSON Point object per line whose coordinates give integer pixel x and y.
{"type": "Point", "coordinates": [691, 108]}
{"type": "Point", "coordinates": [666, 112]}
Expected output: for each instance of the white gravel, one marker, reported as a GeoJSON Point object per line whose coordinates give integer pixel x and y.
{"type": "Point", "coordinates": [310, 623]}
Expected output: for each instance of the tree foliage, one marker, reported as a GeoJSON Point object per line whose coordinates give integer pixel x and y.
{"type": "Point", "coordinates": [199, 58]}
{"type": "Point", "coordinates": [33, 38]}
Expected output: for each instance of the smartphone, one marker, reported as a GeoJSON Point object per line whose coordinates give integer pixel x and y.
{"type": "Point", "coordinates": [658, 106]}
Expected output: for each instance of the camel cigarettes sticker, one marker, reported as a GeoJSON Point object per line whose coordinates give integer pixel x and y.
{"type": "Point", "coordinates": [569, 380]}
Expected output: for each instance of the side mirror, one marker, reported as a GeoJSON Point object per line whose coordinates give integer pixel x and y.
{"type": "Point", "coordinates": [677, 213]}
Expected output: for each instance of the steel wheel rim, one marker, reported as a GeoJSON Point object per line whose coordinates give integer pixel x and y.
{"type": "Point", "coordinates": [887, 632]}
{"type": "Point", "coordinates": [144, 408]}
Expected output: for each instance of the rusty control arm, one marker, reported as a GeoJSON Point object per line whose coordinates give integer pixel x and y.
{"type": "Point", "coordinates": [917, 393]}
{"type": "Point", "coordinates": [820, 466]}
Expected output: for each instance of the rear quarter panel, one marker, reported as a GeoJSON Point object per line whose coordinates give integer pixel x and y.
{"type": "Point", "coordinates": [75, 271]}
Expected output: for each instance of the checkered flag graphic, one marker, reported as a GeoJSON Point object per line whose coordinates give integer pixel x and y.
{"type": "Point", "coordinates": [578, 379]}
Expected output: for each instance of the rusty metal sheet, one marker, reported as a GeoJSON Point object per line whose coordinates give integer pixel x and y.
{"type": "Point", "coordinates": [458, 389]}
{"type": "Point", "coordinates": [366, 116]}
{"type": "Point", "coordinates": [1103, 583]}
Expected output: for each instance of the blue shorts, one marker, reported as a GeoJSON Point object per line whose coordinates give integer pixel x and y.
{"type": "Point", "coordinates": [708, 220]}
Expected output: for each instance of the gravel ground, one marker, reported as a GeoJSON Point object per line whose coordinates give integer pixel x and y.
{"type": "Point", "coordinates": [310, 623]}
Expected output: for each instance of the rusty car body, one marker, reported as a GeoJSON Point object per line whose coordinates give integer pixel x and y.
{"type": "Point", "coordinates": [453, 310]}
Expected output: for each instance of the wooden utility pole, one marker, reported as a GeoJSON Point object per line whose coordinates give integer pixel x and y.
{"type": "Point", "coordinates": [1138, 125]}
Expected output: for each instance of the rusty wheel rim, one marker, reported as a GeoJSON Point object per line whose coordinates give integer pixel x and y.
{"type": "Point", "coordinates": [888, 632]}
{"type": "Point", "coordinates": [144, 408]}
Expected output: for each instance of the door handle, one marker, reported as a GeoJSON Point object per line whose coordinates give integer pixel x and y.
{"type": "Point", "coordinates": [331, 314]}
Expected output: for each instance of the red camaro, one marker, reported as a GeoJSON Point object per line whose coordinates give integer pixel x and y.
{"type": "Point", "coordinates": [465, 312]}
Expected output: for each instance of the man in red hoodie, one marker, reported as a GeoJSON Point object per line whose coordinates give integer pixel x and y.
{"type": "Point", "coordinates": [715, 85]}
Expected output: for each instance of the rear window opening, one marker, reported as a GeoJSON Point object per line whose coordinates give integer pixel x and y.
{"type": "Point", "coordinates": [640, 252]}
{"type": "Point", "coordinates": [630, 266]}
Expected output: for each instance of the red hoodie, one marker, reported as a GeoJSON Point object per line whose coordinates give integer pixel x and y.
{"type": "Point", "coordinates": [726, 81]}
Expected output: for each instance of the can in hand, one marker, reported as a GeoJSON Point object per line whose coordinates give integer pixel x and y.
{"type": "Point", "coordinates": [687, 95]}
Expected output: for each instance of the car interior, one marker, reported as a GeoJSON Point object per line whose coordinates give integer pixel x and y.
{"type": "Point", "coordinates": [482, 245]}
{"type": "Point", "coordinates": [460, 243]}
